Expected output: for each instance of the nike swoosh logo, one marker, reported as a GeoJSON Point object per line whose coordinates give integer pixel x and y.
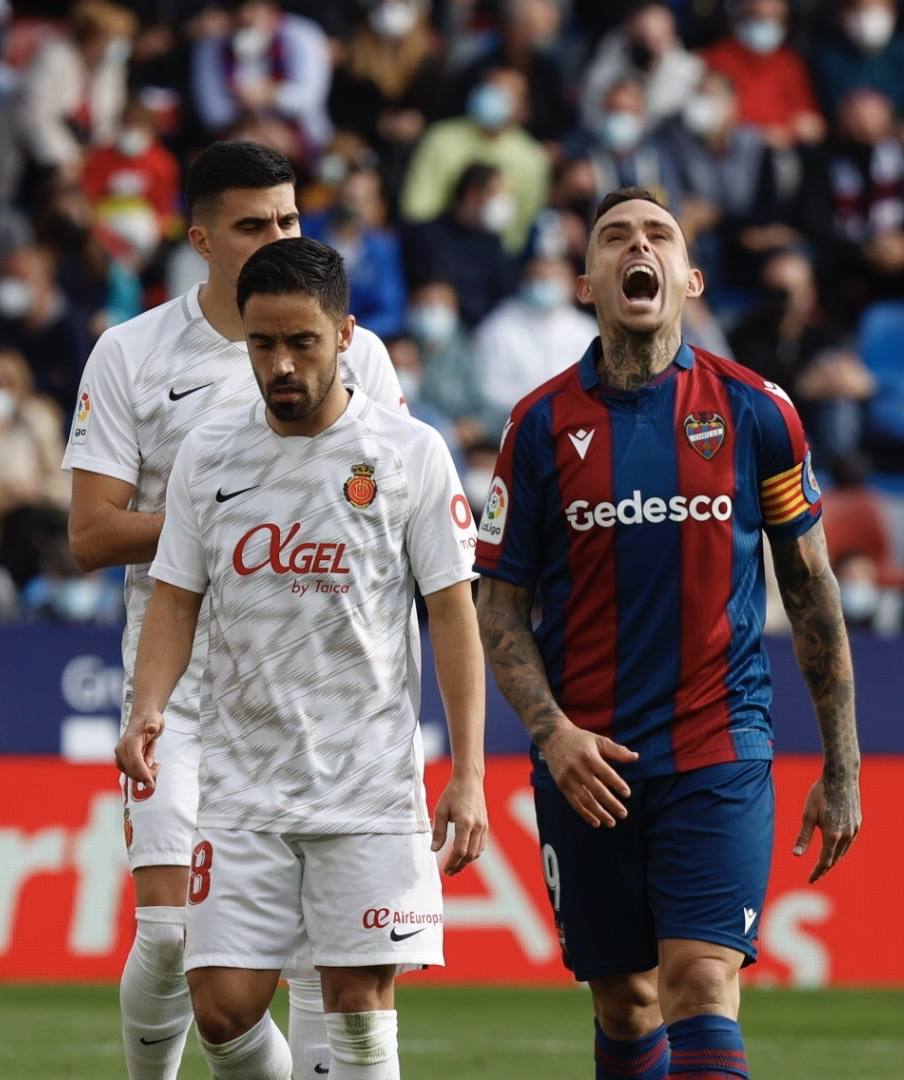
{"type": "Point", "coordinates": [173, 396]}
{"type": "Point", "coordinates": [320, 1070]}
{"type": "Point", "coordinates": [153, 1042]}
{"type": "Point", "coordinates": [222, 496]}
{"type": "Point", "coordinates": [401, 937]}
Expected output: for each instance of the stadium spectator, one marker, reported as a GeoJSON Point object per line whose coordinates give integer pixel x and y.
{"type": "Point", "coordinates": [389, 84]}
{"type": "Point", "coordinates": [646, 48]}
{"type": "Point", "coordinates": [790, 339]}
{"type": "Point", "coordinates": [270, 64]}
{"type": "Point", "coordinates": [772, 81]}
{"type": "Point", "coordinates": [37, 319]}
{"type": "Point", "coordinates": [531, 336]}
{"type": "Point", "coordinates": [135, 170]}
{"type": "Point", "coordinates": [853, 204]}
{"type": "Point", "coordinates": [492, 132]}
{"type": "Point", "coordinates": [529, 40]}
{"type": "Point", "coordinates": [74, 89]}
{"type": "Point", "coordinates": [562, 228]}
{"type": "Point", "coordinates": [463, 246]}
{"type": "Point", "coordinates": [622, 148]}
{"type": "Point", "coordinates": [450, 379]}
{"type": "Point", "coordinates": [372, 255]}
{"type": "Point", "coordinates": [861, 49]}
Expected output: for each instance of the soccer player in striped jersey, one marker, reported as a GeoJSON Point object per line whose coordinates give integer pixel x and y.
{"type": "Point", "coordinates": [630, 498]}
{"type": "Point", "coordinates": [147, 384]}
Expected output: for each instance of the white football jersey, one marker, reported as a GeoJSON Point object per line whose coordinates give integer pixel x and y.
{"type": "Point", "coordinates": [309, 550]}
{"type": "Point", "coordinates": [146, 385]}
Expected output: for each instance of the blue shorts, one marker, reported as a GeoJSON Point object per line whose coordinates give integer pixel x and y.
{"type": "Point", "coordinates": [691, 861]}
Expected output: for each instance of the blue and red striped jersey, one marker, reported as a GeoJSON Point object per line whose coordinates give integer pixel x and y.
{"type": "Point", "coordinates": [636, 517]}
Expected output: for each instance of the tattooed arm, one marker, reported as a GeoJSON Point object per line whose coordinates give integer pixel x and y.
{"type": "Point", "coordinates": [576, 758]}
{"type": "Point", "coordinates": [811, 598]}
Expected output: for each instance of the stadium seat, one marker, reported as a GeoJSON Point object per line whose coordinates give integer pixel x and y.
{"type": "Point", "coordinates": [881, 344]}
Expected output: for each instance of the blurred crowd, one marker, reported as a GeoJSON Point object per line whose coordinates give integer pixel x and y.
{"type": "Point", "coordinates": [453, 151]}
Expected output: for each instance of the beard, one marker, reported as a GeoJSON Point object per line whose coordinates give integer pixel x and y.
{"type": "Point", "coordinates": [309, 398]}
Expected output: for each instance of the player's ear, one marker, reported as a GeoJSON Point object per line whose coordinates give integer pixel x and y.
{"type": "Point", "coordinates": [346, 330]}
{"type": "Point", "coordinates": [694, 284]}
{"type": "Point", "coordinates": [583, 290]}
{"type": "Point", "coordinates": [197, 237]}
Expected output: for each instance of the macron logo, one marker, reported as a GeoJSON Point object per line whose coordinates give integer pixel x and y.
{"type": "Point", "coordinates": [749, 918]}
{"type": "Point", "coordinates": [580, 440]}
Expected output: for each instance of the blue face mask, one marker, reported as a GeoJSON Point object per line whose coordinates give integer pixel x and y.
{"type": "Point", "coordinates": [489, 106]}
{"type": "Point", "coordinates": [620, 130]}
{"type": "Point", "coordinates": [760, 35]}
{"type": "Point", "coordinates": [433, 324]}
{"type": "Point", "coordinates": [544, 294]}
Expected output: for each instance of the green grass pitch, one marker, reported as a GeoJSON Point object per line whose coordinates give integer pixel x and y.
{"type": "Point", "coordinates": [71, 1033]}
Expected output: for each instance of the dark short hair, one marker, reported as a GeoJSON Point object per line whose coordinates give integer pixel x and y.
{"type": "Point", "coordinates": [296, 265]}
{"type": "Point", "coordinates": [627, 194]}
{"type": "Point", "coordinates": [476, 177]}
{"type": "Point", "coordinates": [226, 165]}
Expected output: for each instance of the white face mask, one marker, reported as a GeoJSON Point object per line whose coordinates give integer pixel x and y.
{"type": "Point", "coordinates": [544, 294]}
{"type": "Point", "coordinates": [859, 600]}
{"type": "Point", "coordinates": [118, 51]}
{"type": "Point", "coordinates": [410, 384]}
{"type": "Point", "coordinates": [620, 130]}
{"type": "Point", "coordinates": [133, 142]}
{"type": "Point", "coordinates": [489, 106]}
{"type": "Point", "coordinates": [705, 114]}
{"type": "Point", "coordinates": [394, 19]}
{"type": "Point", "coordinates": [498, 212]}
{"type": "Point", "coordinates": [760, 35]}
{"type": "Point", "coordinates": [15, 297]}
{"type": "Point", "coordinates": [250, 42]}
{"type": "Point", "coordinates": [433, 324]}
{"type": "Point", "coordinates": [7, 406]}
{"type": "Point", "coordinates": [871, 29]}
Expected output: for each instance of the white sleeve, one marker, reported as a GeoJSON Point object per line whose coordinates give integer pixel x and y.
{"type": "Point", "coordinates": [440, 536]}
{"type": "Point", "coordinates": [104, 436]}
{"type": "Point", "coordinates": [180, 558]}
{"type": "Point", "coordinates": [371, 367]}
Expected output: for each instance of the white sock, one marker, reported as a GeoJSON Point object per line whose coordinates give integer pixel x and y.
{"type": "Point", "coordinates": [307, 1031]}
{"type": "Point", "coordinates": [153, 995]}
{"type": "Point", "coordinates": [364, 1046]}
{"type": "Point", "coordinates": [260, 1054]}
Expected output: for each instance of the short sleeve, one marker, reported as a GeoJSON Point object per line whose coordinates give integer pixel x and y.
{"type": "Point", "coordinates": [509, 534]}
{"type": "Point", "coordinates": [181, 559]}
{"type": "Point", "coordinates": [440, 533]}
{"type": "Point", "coordinates": [790, 499]}
{"type": "Point", "coordinates": [104, 436]}
{"type": "Point", "coordinates": [368, 365]}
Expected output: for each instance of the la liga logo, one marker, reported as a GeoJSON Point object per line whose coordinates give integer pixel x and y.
{"type": "Point", "coordinates": [82, 416]}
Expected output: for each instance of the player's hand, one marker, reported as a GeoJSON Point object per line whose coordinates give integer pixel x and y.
{"type": "Point", "coordinates": [463, 805]}
{"type": "Point", "coordinates": [577, 761]}
{"type": "Point", "coordinates": [836, 813]}
{"type": "Point", "coordinates": [134, 752]}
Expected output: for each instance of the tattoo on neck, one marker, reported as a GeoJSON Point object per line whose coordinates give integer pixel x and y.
{"type": "Point", "coordinates": [629, 362]}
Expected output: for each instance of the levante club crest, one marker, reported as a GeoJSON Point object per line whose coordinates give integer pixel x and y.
{"type": "Point", "coordinates": [360, 489]}
{"type": "Point", "coordinates": [705, 431]}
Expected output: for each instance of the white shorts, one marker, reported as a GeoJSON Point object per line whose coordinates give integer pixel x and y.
{"type": "Point", "coordinates": [362, 900]}
{"type": "Point", "coordinates": [160, 821]}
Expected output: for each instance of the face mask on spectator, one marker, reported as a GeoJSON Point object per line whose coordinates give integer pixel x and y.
{"type": "Point", "coordinates": [134, 141]}
{"type": "Point", "coordinates": [410, 384]}
{"type": "Point", "coordinates": [432, 323]}
{"type": "Point", "coordinates": [705, 114]}
{"type": "Point", "coordinates": [760, 35]}
{"type": "Point", "coordinates": [871, 29]}
{"type": "Point", "coordinates": [77, 599]}
{"type": "Point", "coordinates": [15, 297]}
{"type": "Point", "coordinates": [476, 484]}
{"type": "Point", "coordinates": [118, 51]}
{"type": "Point", "coordinates": [544, 294]}
{"type": "Point", "coordinates": [250, 41]}
{"type": "Point", "coordinates": [498, 211]}
{"type": "Point", "coordinates": [392, 20]}
{"type": "Point", "coordinates": [859, 600]}
{"type": "Point", "coordinates": [7, 406]}
{"type": "Point", "coordinates": [489, 106]}
{"type": "Point", "coordinates": [620, 130]}
{"type": "Point", "coordinates": [332, 168]}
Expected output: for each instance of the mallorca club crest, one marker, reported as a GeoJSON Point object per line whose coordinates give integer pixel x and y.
{"type": "Point", "coordinates": [360, 489]}
{"type": "Point", "coordinates": [705, 431]}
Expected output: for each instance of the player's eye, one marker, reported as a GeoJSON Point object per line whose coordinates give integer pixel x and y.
{"type": "Point", "coordinates": [290, 222]}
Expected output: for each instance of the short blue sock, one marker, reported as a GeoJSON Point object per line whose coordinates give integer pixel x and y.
{"type": "Point", "coordinates": [637, 1059]}
{"type": "Point", "coordinates": [707, 1047]}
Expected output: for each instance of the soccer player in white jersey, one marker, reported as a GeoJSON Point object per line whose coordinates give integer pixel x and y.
{"type": "Point", "coordinates": [146, 385]}
{"type": "Point", "coordinates": [306, 519]}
